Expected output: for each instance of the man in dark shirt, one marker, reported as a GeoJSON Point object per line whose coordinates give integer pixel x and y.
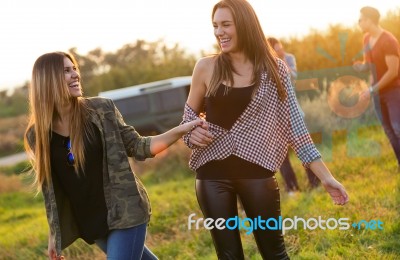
{"type": "Point", "coordinates": [381, 57]}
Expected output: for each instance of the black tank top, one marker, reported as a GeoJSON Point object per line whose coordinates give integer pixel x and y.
{"type": "Point", "coordinates": [223, 110]}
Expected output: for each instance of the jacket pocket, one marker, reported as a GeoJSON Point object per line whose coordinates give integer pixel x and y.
{"type": "Point", "coordinates": [128, 206]}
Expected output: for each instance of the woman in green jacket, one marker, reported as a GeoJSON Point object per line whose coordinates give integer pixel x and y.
{"type": "Point", "coordinates": [79, 149]}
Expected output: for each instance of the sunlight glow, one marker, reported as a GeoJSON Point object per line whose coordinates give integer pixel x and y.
{"type": "Point", "coordinates": [31, 28]}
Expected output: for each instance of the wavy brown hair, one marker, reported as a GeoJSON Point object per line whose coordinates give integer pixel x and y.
{"type": "Point", "coordinates": [48, 91]}
{"type": "Point", "coordinates": [251, 40]}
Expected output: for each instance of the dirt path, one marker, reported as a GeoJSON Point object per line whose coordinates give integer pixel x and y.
{"type": "Point", "coordinates": [13, 159]}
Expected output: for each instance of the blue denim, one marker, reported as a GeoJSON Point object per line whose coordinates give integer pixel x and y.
{"type": "Point", "coordinates": [126, 244]}
{"type": "Point", "coordinates": [387, 107]}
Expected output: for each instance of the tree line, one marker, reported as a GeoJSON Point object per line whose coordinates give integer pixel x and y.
{"type": "Point", "coordinates": [140, 62]}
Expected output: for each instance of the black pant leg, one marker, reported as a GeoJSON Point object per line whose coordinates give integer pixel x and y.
{"type": "Point", "coordinates": [218, 199]}
{"type": "Point", "coordinates": [260, 198]}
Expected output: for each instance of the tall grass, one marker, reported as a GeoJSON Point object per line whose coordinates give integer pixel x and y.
{"type": "Point", "coordinates": [356, 151]}
{"type": "Point", "coordinates": [372, 183]}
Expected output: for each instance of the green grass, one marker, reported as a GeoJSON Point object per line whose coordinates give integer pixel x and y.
{"type": "Point", "coordinates": [22, 219]}
{"type": "Point", "coordinates": [18, 168]}
{"type": "Point", "coordinates": [372, 183]}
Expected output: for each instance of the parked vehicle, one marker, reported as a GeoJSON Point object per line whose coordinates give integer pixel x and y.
{"type": "Point", "coordinates": [152, 107]}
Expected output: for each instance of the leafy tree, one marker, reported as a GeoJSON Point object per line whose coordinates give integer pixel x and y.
{"type": "Point", "coordinates": [16, 104]}
{"type": "Point", "coordinates": [135, 63]}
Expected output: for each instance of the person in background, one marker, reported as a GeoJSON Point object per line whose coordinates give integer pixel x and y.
{"type": "Point", "coordinates": [382, 59]}
{"type": "Point", "coordinates": [288, 58]}
{"type": "Point", "coordinates": [79, 149]}
{"type": "Point", "coordinates": [252, 117]}
{"type": "Point", "coordinates": [286, 169]}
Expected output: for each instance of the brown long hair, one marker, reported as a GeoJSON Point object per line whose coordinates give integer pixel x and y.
{"type": "Point", "coordinates": [251, 40]}
{"type": "Point", "coordinates": [48, 91]}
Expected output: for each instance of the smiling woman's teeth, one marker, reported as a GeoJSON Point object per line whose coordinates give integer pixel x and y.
{"type": "Point", "coordinates": [224, 40]}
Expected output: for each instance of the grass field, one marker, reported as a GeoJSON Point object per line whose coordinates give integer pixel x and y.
{"type": "Point", "coordinates": [372, 182]}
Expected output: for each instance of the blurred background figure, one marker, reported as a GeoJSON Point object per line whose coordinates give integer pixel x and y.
{"type": "Point", "coordinates": [286, 169]}
{"type": "Point", "coordinates": [288, 58]}
{"type": "Point", "coordinates": [381, 58]}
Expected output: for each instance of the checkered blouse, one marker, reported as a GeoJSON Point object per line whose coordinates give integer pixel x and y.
{"type": "Point", "coordinates": [262, 133]}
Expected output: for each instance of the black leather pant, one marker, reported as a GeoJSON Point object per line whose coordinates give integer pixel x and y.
{"type": "Point", "coordinates": [259, 197]}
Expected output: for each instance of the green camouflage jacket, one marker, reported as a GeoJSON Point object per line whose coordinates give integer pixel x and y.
{"type": "Point", "coordinates": [126, 198]}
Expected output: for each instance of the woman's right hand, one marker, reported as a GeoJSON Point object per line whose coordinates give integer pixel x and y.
{"type": "Point", "coordinates": [200, 136]}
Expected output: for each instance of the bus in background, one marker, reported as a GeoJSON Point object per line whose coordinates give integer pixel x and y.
{"type": "Point", "coordinates": [152, 107]}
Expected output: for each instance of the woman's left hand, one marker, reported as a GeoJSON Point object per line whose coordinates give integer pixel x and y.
{"type": "Point", "coordinates": [337, 191]}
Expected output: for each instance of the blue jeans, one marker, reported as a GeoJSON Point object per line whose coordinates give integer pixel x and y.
{"type": "Point", "coordinates": [387, 107]}
{"type": "Point", "coordinates": [125, 244]}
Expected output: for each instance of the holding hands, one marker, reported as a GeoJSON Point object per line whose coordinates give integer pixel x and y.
{"type": "Point", "coordinates": [200, 136]}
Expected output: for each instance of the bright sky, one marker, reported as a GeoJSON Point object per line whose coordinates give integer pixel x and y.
{"type": "Point", "coordinates": [31, 28]}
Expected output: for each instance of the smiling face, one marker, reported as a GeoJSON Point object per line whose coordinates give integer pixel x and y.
{"type": "Point", "coordinates": [72, 78]}
{"type": "Point", "coordinates": [225, 30]}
